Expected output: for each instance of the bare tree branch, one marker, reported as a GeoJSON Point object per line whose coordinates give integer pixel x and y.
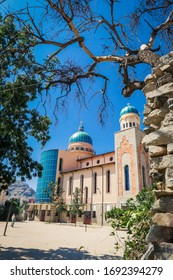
{"type": "Point", "coordinates": [70, 25]}
{"type": "Point", "coordinates": [164, 25]}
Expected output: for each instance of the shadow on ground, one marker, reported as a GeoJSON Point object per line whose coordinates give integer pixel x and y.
{"type": "Point", "coordinates": [62, 253]}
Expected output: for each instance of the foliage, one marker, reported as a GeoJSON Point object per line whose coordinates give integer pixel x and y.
{"type": "Point", "coordinates": [136, 219]}
{"type": "Point", "coordinates": [14, 210]}
{"type": "Point", "coordinates": [77, 204]}
{"type": "Point", "coordinates": [20, 83]}
{"type": "Point", "coordinates": [55, 194]}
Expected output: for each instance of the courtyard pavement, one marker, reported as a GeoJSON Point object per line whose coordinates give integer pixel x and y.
{"type": "Point", "coordinates": [33, 240]}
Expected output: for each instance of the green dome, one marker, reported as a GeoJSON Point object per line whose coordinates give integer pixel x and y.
{"type": "Point", "coordinates": [128, 109]}
{"type": "Point", "coordinates": [80, 136]}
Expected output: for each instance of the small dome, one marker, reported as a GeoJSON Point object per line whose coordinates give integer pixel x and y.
{"type": "Point", "coordinates": [128, 110]}
{"type": "Point", "coordinates": [80, 136]}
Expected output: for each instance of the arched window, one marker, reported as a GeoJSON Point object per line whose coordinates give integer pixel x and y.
{"type": "Point", "coordinates": [60, 164]}
{"type": "Point", "coordinates": [95, 183]}
{"type": "Point", "coordinates": [108, 185]}
{"type": "Point", "coordinates": [86, 195]}
{"type": "Point", "coordinates": [130, 124]}
{"type": "Point", "coordinates": [143, 177]}
{"type": "Point", "coordinates": [70, 185]}
{"type": "Point", "coordinates": [59, 186]}
{"type": "Point", "coordinates": [126, 177]}
{"type": "Point", "coordinates": [81, 183]}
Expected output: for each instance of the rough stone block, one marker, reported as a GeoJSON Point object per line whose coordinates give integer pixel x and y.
{"type": "Point", "coordinates": [166, 192]}
{"type": "Point", "coordinates": [166, 89]}
{"type": "Point", "coordinates": [163, 219]}
{"type": "Point", "coordinates": [155, 175]}
{"type": "Point", "coordinates": [155, 117]}
{"type": "Point", "coordinates": [147, 109]}
{"type": "Point", "coordinates": [166, 59]}
{"type": "Point", "coordinates": [160, 163]}
{"type": "Point", "coordinates": [166, 78]}
{"type": "Point", "coordinates": [168, 122]}
{"type": "Point", "coordinates": [170, 148]}
{"type": "Point", "coordinates": [164, 204]}
{"type": "Point", "coordinates": [155, 151]}
{"type": "Point", "coordinates": [149, 87]}
{"type": "Point", "coordinates": [163, 251]}
{"type": "Point", "coordinates": [169, 177]}
{"type": "Point", "coordinates": [160, 234]}
{"type": "Point", "coordinates": [162, 136]}
{"type": "Point", "coordinates": [150, 78]}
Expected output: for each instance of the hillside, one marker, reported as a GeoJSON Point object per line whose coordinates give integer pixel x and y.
{"type": "Point", "coordinates": [21, 190]}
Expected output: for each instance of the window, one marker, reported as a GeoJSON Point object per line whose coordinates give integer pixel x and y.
{"type": "Point", "coordinates": [94, 214]}
{"type": "Point", "coordinates": [133, 124]}
{"type": "Point", "coordinates": [86, 195]}
{"type": "Point", "coordinates": [95, 183]}
{"type": "Point", "coordinates": [111, 159]}
{"type": "Point", "coordinates": [143, 177]}
{"type": "Point", "coordinates": [126, 124]}
{"type": "Point", "coordinates": [81, 183]}
{"type": "Point", "coordinates": [68, 214]}
{"type": "Point", "coordinates": [82, 148]}
{"type": "Point", "coordinates": [108, 181]}
{"type": "Point", "coordinates": [59, 186]}
{"type": "Point", "coordinates": [130, 124]}
{"type": "Point", "coordinates": [60, 164]}
{"type": "Point", "coordinates": [87, 164]}
{"type": "Point", "coordinates": [70, 185]}
{"type": "Point", "coordinates": [126, 175]}
{"type": "Point", "coordinates": [98, 161]}
{"type": "Point", "coordinates": [77, 148]}
{"type": "Point", "coordinates": [123, 125]}
{"type": "Point", "coordinates": [48, 212]}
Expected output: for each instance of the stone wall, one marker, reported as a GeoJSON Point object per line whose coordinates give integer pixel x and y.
{"type": "Point", "coordinates": [158, 119]}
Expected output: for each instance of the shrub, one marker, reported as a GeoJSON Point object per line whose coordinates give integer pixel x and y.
{"type": "Point", "coordinates": [135, 218]}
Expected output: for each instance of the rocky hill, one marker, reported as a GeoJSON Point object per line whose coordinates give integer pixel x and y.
{"type": "Point", "coordinates": [21, 190]}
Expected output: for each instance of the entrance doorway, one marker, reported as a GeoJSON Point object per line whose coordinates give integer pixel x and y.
{"type": "Point", "coordinates": [73, 218]}
{"type": "Point", "coordinates": [87, 217]}
{"type": "Point", "coordinates": [42, 216]}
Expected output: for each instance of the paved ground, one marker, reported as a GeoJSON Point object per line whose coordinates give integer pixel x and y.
{"type": "Point", "coordinates": [40, 241]}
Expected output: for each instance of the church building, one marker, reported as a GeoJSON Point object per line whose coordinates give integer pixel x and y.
{"type": "Point", "coordinates": [105, 180]}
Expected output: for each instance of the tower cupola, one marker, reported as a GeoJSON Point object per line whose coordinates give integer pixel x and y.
{"type": "Point", "coordinates": [129, 117]}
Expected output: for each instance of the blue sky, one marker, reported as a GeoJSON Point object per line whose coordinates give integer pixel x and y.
{"type": "Point", "coordinates": [103, 137]}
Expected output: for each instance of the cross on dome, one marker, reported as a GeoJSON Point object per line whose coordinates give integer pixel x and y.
{"type": "Point", "coordinates": [81, 127]}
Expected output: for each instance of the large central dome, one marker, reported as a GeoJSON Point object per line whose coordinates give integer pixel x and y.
{"type": "Point", "coordinates": [80, 136]}
{"type": "Point", "coordinates": [81, 143]}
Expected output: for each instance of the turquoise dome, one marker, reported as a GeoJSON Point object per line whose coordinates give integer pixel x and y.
{"type": "Point", "coordinates": [80, 136]}
{"type": "Point", "coordinates": [128, 109]}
